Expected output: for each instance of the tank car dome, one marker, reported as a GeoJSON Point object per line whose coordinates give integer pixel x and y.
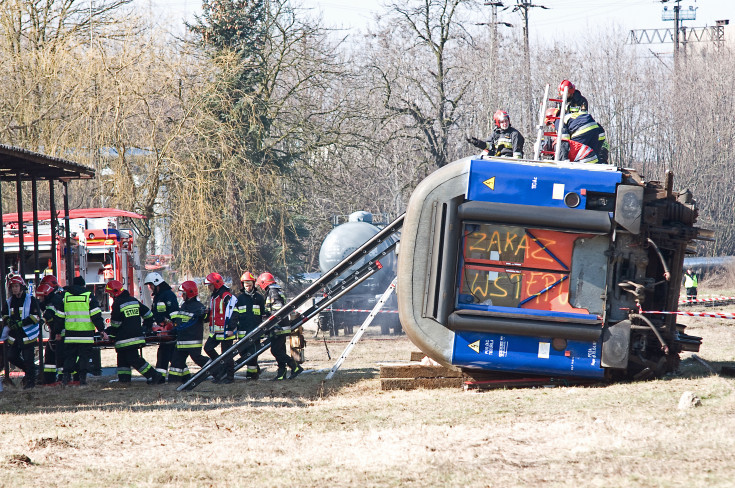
{"type": "Point", "coordinates": [343, 240]}
{"type": "Point", "coordinates": [361, 216]}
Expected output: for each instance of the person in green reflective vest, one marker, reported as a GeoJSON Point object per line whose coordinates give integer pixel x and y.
{"type": "Point", "coordinates": [79, 317]}
{"type": "Point", "coordinates": [690, 283]}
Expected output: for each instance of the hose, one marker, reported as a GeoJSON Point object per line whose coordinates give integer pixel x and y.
{"type": "Point", "coordinates": [667, 274]}
{"type": "Point", "coordinates": [654, 329]}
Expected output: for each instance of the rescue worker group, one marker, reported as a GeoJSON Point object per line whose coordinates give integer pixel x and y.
{"type": "Point", "coordinates": [73, 315]}
{"type": "Point", "coordinates": [583, 139]}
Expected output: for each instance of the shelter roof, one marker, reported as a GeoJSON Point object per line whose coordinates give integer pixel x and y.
{"type": "Point", "coordinates": [15, 161]}
{"type": "Point", "coordinates": [77, 213]}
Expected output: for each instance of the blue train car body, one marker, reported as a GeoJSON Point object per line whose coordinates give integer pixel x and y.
{"type": "Point", "coordinates": [541, 268]}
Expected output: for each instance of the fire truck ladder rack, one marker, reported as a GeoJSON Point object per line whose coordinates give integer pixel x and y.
{"type": "Point", "coordinates": [542, 133]}
{"type": "Point", "coordinates": [363, 327]}
{"type": "Point", "coordinates": [283, 319]}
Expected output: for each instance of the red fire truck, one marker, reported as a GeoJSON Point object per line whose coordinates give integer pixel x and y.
{"type": "Point", "coordinates": [102, 247]}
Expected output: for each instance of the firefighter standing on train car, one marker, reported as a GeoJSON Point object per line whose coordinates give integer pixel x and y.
{"type": "Point", "coordinates": [189, 329]}
{"type": "Point", "coordinates": [221, 328]}
{"type": "Point", "coordinates": [505, 140]}
{"type": "Point", "coordinates": [127, 317]}
{"type": "Point", "coordinates": [50, 297]}
{"type": "Point", "coordinates": [274, 301]}
{"type": "Point", "coordinates": [691, 282]}
{"type": "Point", "coordinates": [79, 317]}
{"type": "Point", "coordinates": [164, 304]}
{"type": "Point", "coordinates": [22, 315]}
{"type": "Point", "coordinates": [248, 315]}
{"type": "Point", "coordinates": [576, 102]}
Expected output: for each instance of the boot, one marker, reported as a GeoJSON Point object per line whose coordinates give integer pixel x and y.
{"type": "Point", "coordinates": [296, 371]}
{"type": "Point", "coordinates": [280, 374]}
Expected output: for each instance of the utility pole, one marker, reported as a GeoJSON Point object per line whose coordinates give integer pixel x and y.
{"type": "Point", "coordinates": [522, 6]}
{"type": "Point", "coordinates": [494, 52]}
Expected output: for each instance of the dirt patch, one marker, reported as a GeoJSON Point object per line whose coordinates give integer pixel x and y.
{"type": "Point", "coordinates": [20, 460]}
{"type": "Point", "coordinates": [48, 442]}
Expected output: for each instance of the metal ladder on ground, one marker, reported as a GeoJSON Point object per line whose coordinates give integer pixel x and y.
{"type": "Point", "coordinates": [282, 319]}
{"type": "Point", "coordinates": [543, 133]}
{"type": "Point", "coordinates": [363, 327]}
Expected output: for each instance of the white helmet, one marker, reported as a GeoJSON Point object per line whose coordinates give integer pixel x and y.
{"type": "Point", "coordinates": [153, 278]}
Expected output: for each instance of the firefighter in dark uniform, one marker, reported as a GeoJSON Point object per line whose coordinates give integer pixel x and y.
{"type": "Point", "coordinates": [580, 127]}
{"type": "Point", "coordinates": [164, 304]}
{"type": "Point", "coordinates": [50, 297]}
{"type": "Point", "coordinates": [274, 301]}
{"type": "Point", "coordinates": [127, 317]}
{"type": "Point", "coordinates": [79, 316]}
{"type": "Point", "coordinates": [576, 102]}
{"type": "Point", "coordinates": [22, 315]}
{"type": "Point", "coordinates": [221, 328]}
{"type": "Point", "coordinates": [248, 315]}
{"type": "Point", "coordinates": [189, 329]}
{"type": "Point", "coordinates": [505, 140]}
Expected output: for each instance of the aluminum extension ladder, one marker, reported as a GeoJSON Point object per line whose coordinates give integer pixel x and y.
{"type": "Point", "coordinates": [542, 132]}
{"type": "Point", "coordinates": [368, 320]}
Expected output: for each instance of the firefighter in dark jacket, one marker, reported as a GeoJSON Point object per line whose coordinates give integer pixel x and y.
{"type": "Point", "coordinates": [164, 304]}
{"type": "Point", "coordinates": [50, 297]}
{"type": "Point", "coordinates": [127, 317]}
{"type": "Point", "coordinates": [221, 328]}
{"type": "Point", "coordinates": [22, 315]}
{"type": "Point", "coordinates": [576, 102]}
{"type": "Point", "coordinates": [580, 127]}
{"type": "Point", "coordinates": [505, 141]}
{"type": "Point", "coordinates": [79, 316]}
{"type": "Point", "coordinates": [248, 315]}
{"type": "Point", "coordinates": [274, 301]}
{"type": "Point", "coordinates": [189, 329]}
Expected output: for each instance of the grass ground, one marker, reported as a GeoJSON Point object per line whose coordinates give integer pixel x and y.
{"type": "Point", "coordinates": [347, 432]}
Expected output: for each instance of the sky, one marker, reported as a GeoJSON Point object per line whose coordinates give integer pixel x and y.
{"type": "Point", "coordinates": [561, 17]}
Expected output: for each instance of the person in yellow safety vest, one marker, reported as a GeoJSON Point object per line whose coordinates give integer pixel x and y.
{"type": "Point", "coordinates": [690, 283]}
{"type": "Point", "coordinates": [79, 317]}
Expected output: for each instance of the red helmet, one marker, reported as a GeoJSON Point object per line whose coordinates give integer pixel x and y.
{"type": "Point", "coordinates": [214, 279]}
{"type": "Point", "coordinates": [189, 288]}
{"type": "Point", "coordinates": [15, 278]}
{"type": "Point", "coordinates": [264, 280]}
{"type": "Point", "coordinates": [50, 280]}
{"type": "Point", "coordinates": [569, 86]}
{"type": "Point", "coordinates": [114, 288]}
{"type": "Point", "coordinates": [499, 116]}
{"type": "Point", "coordinates": [247, 276]}
{"type": "Point", "coordinates": [43, 290]}
{"type": "Point", "coordinates": [551, 115]}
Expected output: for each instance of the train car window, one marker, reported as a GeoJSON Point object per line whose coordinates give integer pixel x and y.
{"type": "Point", "coordinates": [506, 266]}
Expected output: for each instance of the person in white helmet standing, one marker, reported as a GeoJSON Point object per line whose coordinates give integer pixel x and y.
{"type": "Point", "coordinates": [164, 304]}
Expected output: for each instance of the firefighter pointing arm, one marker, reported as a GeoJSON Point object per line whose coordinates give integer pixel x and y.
{"type": "Point", "coordinates": [506, 141]}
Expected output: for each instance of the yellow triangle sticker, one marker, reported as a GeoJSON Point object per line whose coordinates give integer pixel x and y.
{"type": "Point", "coordinates": [490, 183]}
{"type": "Point", "coordinates": [475, 346]}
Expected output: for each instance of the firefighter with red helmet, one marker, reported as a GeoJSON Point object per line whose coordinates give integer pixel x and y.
{"type": "Point", "coordinates": [22, 315]}
{"type": "Point", "coordinates": [79, 316]}
{"type": "Point", "coordinates": [274, 301]}
{"type": "Point", "coordinates": [581, 130]}
{"type": "Point", "coordinates": [222, 329]}
{"type": "Point", "coordinates": [127, 317]}
{"type": "Point", "coordinates": [189, 329]}
{"type": "Point", "coordinates": [248, 315]}
{"type": "Point", "coordinates": [164, 305]}
{"type": "Point", "coordinates": [575, 100]}
{"type": "Point", "coordinates": [50, 297]}
{"type": "Point", "coordinates": [505, 141]}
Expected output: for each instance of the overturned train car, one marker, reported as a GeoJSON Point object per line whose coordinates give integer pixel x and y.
{"type": "Point", "coordinates": [546, 268]}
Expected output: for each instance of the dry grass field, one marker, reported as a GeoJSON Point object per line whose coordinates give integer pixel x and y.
{"type": "Point", "coordinates": [347, 432]}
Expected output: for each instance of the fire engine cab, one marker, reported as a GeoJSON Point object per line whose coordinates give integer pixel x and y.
{"type": "Point", "coordinates": [102, 247]}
